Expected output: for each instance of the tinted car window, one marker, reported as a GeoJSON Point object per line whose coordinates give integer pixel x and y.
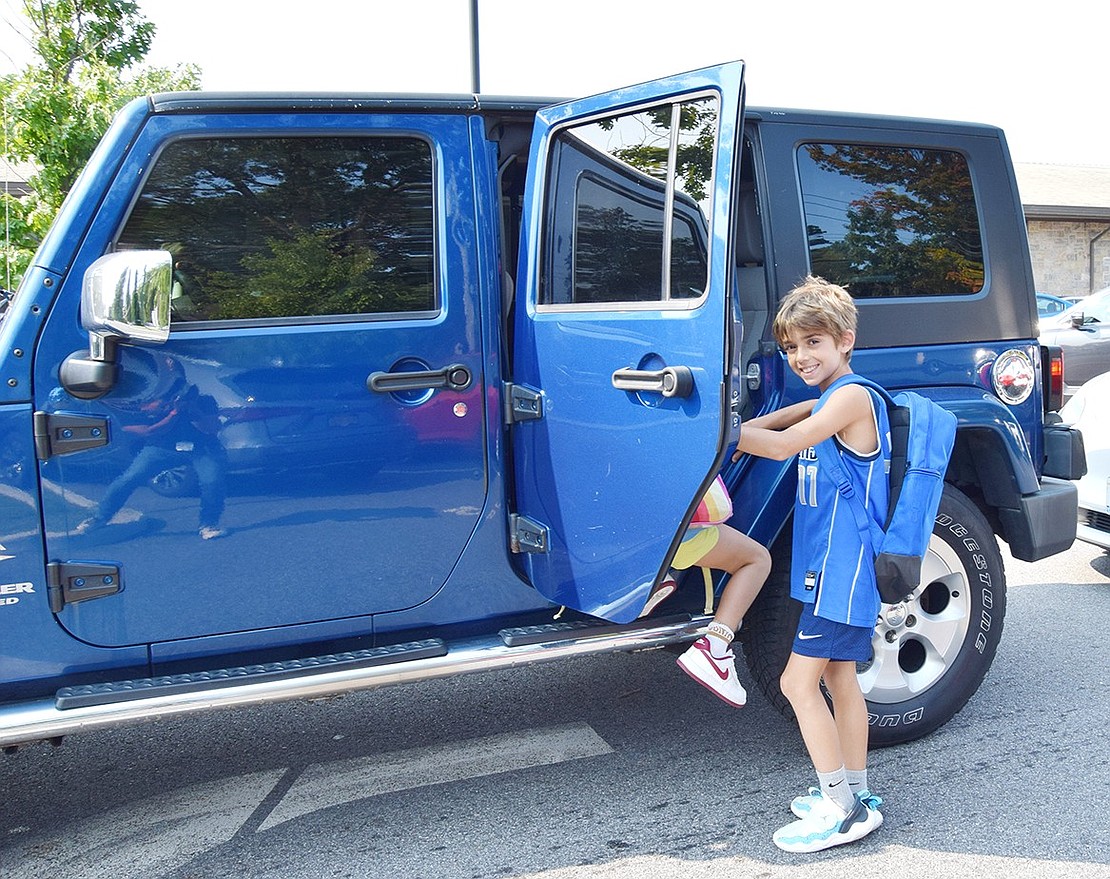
{"type": "Point", "coordinates": [891, 221]}
{"type": "Point", "coordinates": [291, 226]}
{"type": "Point", "coordinates": [627, 205]}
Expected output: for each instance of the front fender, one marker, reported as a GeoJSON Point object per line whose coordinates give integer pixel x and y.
{"type": "Point", "coordinates": [1035, 519]}
{"type": "Point", "coordinates": [991, 450]}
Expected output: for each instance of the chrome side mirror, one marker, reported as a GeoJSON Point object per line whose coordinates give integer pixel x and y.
{"type": "Point", "coordinates": [125, 297]}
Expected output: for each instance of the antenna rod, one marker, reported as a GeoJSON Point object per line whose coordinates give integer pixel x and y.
{"type": "Point", "coordinates": [475, 83]}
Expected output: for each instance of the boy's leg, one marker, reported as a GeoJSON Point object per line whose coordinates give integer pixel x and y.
{"type": "Point", "coordinates": [850, 716]}
{"type": "Point", "coordinates": [801, 685]}
{"type": "Point", "coordinates": [837, 815]}
{"type": "Point", "coordinates": [851, 720]}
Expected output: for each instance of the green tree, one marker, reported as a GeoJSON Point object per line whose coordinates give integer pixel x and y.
{"type": "Point", "coordinates": [279, 226]}
{"type": "Point", "coordinates": [86, 57]}
{"type": "Point", "coordinates": [698, 120]}
{"type": "Point", "coordinates": [915, 232]}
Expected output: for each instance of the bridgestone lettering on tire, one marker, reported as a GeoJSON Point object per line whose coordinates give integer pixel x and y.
{"type": "Point", "coordinates": [930, 653]}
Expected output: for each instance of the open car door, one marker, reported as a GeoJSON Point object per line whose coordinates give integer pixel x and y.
{"type": "Point", "coordinates": [621, 383]}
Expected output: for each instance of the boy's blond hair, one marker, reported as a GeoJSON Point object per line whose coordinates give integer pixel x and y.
{"type": "Point", "coordinates": [815, 305]}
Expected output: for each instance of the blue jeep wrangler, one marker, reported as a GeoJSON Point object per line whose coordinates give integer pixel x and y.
{"type": "Point", "coordinates": [308, 394]}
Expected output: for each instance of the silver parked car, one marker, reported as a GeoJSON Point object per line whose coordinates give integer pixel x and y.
{"type": "Point", "coordinates": [1083, 334]}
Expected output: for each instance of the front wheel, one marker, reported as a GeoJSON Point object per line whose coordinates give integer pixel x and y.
{"type": "Point", "coordinates": [930, 653]}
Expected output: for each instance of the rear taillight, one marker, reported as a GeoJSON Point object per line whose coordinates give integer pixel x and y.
{"type": "Point", "coordinates": [1052, 368]}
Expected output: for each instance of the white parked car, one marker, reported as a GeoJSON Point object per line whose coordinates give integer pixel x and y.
{"type": "Point", "coordinates": [1089, 410]}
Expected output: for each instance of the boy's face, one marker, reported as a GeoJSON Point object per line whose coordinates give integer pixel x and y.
{"type": "Point", "coordinates": [817, 357]}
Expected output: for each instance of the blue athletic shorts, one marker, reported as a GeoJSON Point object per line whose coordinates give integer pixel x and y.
{"type": "Point", "coordinates": [825, 639]}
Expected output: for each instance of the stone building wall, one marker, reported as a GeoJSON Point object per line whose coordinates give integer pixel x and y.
{"type": "Point", "coordinates": [1061, 254]}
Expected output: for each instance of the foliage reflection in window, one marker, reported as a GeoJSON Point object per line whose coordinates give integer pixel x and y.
{"type": "Point", "coordinates": [291, 226]}
{"type": "Point", "coordinates": [891, 221]}
{"type": "Point", "coordinates": [628, 201]}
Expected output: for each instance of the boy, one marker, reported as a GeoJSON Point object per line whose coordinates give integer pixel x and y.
{"type": "Point", "coordinates": [832, 568]}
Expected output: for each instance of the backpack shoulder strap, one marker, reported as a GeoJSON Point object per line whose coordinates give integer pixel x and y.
{"type": "Point", "coordinates": [828, 454]}
{"type": "Point", "coordinates": [869, 530]}
{"type": "Point", "coordinates": [853, 378]}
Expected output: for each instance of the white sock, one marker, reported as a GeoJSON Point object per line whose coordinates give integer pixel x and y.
{"type": "Point", "coordinates": [720, 639]}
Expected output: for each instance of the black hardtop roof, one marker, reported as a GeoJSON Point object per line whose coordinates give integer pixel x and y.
{"type": "Point", "coordinates": [202, 101]}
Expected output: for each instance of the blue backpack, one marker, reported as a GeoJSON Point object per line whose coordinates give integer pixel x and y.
{"type": "Point", "coordinates": [922, 434]}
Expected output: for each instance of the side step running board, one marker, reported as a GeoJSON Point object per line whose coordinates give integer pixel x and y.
{"type": "Point", "coordinates": [172, 685]}
{"type": "Point", "coordinates": [525, 635]}
{"type": "Point", "coordinates": [79, 709]}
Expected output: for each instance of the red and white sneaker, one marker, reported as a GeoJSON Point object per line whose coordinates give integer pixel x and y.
{"type": "Point", "coordinates": [716, 675]}
{"type": "Point", "coordinates": [664, 590]}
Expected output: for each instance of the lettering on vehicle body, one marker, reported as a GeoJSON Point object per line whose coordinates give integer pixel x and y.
{"type": "Point", "coordinates": [10, 592]}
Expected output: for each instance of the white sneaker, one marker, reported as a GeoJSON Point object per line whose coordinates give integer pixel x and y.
{"type": "Point", "coordinates": [716, 675]}
{"type": "Point", "coordinates": [827, 825]}
{"type": "Point", "coordinates": [801, 805]}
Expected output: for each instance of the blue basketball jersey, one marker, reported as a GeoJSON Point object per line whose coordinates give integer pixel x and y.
{"type": "Point", "coordinates": [832, 567]}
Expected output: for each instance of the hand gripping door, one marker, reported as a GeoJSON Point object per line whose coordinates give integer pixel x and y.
{"type": "Point", "coordinates": [620, 337]}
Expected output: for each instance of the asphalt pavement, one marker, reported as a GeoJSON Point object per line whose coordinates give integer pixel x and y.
{"type": "Point", "coordinates": [615, 766]}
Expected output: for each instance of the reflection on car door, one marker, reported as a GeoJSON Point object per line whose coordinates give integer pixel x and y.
{"type": "Point", "coordinates": [322, 380]}
{"type": "Point", "coordinates": [621, 342]}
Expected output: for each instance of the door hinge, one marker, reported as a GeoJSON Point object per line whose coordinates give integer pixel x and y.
{"type": "Point", "coordinates": [522, 403]}
{"type": "Point", "coordinates": [71, 582]}
{"type": "Point", "coordinates": [525, 535]}
{"type": "Point", "coordinates": [60, 434]}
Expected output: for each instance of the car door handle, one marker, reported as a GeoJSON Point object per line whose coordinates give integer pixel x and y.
{"type": "Point", "coordinates": [455, 377]}
{"type": "Point", "coordinates": [671, 381]}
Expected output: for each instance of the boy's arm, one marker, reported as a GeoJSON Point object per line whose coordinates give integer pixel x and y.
{"type": "Point", "coordinates": [784, 417]}
{"type": "Point", "coordinates": [845, 409]}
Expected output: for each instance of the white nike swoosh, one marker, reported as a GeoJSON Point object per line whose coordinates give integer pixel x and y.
{"type": "Point", "coordinates": [806, 637]}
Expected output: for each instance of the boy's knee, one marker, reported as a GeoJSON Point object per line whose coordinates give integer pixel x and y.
{"type": "Point", "coordinates": [800, 688]}
{"type": "Point", "coordinates": [790, 686]}
{"type": "Point", "coordinates": [842, 682]}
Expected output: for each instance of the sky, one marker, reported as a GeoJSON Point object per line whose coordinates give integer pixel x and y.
{"type": "Point", "coordinates": [1040, 73]}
